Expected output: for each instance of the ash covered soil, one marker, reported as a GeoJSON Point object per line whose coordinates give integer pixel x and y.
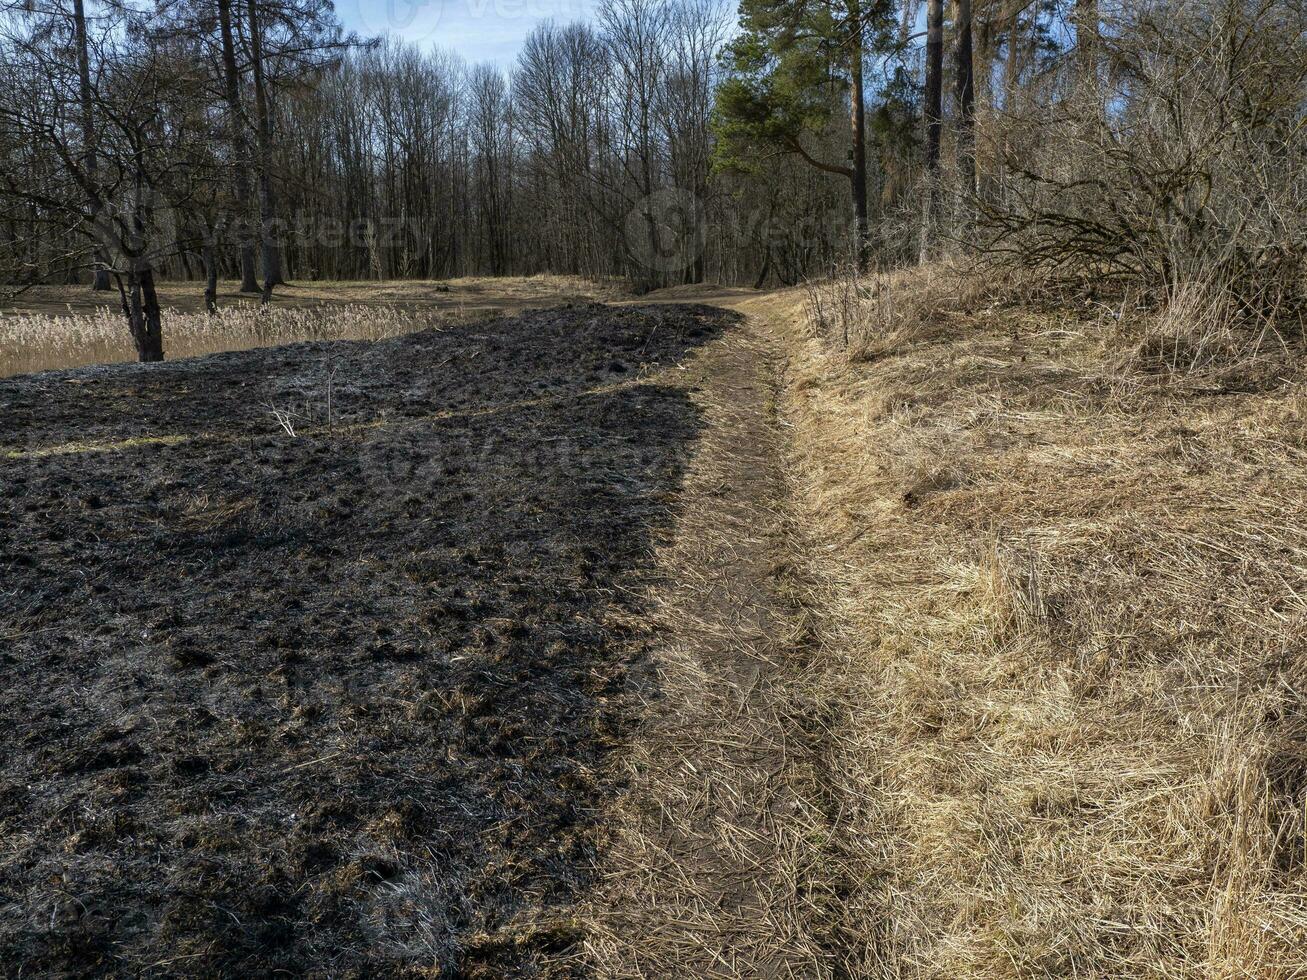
{"type": "Point", "coordinates": [343, 702]}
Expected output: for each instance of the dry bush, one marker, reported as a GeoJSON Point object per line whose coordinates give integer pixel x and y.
{"type": "Point", "coordinates": [867, 315]}
{"type": "Point", "coordinates": [1193, 331]}
{"type": "Point", "coordinates": [1180, 160]}
{"type": "Point", "coordinates": [1201, 328]}
{"type": "Point", "coordinates": [1065, 619]}
{"type": "Point", "coordinates": [860, 311]}
{"type": "Point", "coordinates": [39, 341]}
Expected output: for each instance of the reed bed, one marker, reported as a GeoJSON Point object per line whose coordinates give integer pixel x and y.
{"type": "Point", "coordinates": [42, 341]}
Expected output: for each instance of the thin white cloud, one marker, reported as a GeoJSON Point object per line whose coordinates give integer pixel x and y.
{"type": "Point", "coordinates": [477, 30]}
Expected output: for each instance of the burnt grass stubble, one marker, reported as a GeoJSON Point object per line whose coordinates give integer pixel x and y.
{"type": "Point", "coordinates": [343, 703]}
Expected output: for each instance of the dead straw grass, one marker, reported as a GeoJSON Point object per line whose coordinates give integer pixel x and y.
{"type": "Point", "coordinates": [41, 341]}
{"type": "Point", "coordinates": [1062, 600]}
{"type": "Point", "coordinates": [50, 327]}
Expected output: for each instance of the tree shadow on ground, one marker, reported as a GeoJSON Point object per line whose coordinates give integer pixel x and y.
{"type": "Point", "coordinates": [339, 701]}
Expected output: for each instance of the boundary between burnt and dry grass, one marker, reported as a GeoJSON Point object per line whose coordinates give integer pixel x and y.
{"type": "Point", "coordinates": [57, 327]}
{"type": "Point", "coordinates": [978, 650]}
{"type": "Point", "coordinates": [725, 860]}
{"type": "Point", "coordinates": [725, 857]}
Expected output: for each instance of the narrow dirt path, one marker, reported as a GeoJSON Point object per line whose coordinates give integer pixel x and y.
{"type": "Point", "coordinates": [717, 866]}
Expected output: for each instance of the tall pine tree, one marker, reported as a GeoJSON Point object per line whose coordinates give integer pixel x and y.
{"type": "Point", "coordinates": [785, 63]}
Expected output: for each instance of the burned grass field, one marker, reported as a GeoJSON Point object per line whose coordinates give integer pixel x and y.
{"type": "Point", "coordinates": [314, 657]}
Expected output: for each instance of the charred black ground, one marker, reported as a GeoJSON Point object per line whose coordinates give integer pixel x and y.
{"type": "Point", "coordinates": [339, 701]}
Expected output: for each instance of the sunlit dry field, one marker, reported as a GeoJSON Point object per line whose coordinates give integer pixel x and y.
{"type": "Point", "coordinates": [1062, 564]}
{"type": "Point", "coordinates": [70, 326]}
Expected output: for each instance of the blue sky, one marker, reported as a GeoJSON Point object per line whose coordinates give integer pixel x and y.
{"type": "Point", "coordinates": [477, 30]}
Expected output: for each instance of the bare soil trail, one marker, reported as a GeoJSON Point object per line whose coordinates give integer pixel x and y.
{"type": "Point", "coordinates": [720, 866]}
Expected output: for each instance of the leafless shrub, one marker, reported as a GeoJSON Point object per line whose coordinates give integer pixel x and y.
{"type": "Point", "coordinates": [284, 418]}
{"type": "Point", "coordinates": [1183, 159]}
{"type": "Point", "coordinates": [861, 311]}
{"type": "Point", "coordinates": [869, 315]}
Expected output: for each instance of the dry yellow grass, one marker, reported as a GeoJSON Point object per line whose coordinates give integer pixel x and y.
{"type": "Point", "coordinates": [70, 326]}
{"type": "Point", "coordinates": [1063, 613]}
{"type": "Point", "coordinates": [40, 341]}
{"type": "Point", "coordinates": [188, 296]}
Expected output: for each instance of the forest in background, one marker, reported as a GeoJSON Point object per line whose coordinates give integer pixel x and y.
{"type": "Point", "coordinates": [1151, 143]}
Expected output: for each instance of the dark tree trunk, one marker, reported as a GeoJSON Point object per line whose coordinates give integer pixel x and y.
{"type": "Point", "coordinates": [263, 130]}
{"type": "Point", "coordinates": [144, 319]}
{"type": "Point", "coordinates": [766, 268]}
{"type": "Point", "coordinates": [966, 96]}
{"type": "Point", "coordinates": [100, 282]}
{"type": "Point", "coordinates": [240, 150]}
{"type": "Point", "coordinates": [153, 349]}
{"type": "Point", "coordinates": [210, 277]}
{"type": "Point", "coordinates": [934, 100]}
{"type": "Point", "coordinates": [985, 34]}
{"type": "Point", "coordinates": [858, 119]}
{"type": "Point", "coordinates": [934, 112]}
